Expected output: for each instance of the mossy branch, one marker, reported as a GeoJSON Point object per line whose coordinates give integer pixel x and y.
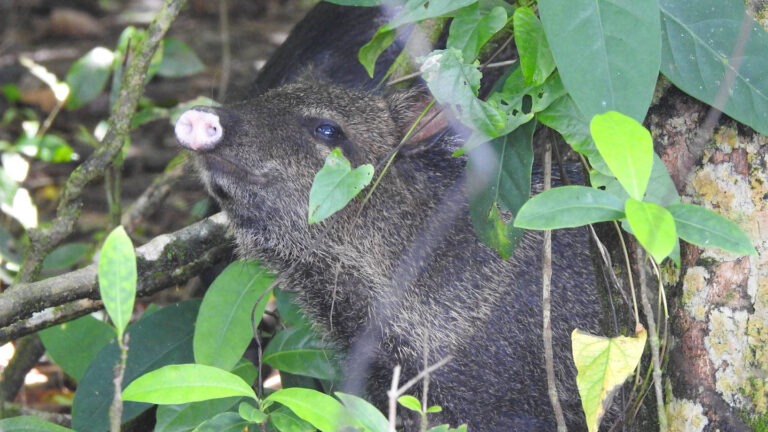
{"type": "Point", "coordinates": [44, 239]}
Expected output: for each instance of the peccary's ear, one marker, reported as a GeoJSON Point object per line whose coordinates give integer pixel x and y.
{"type": "Point", "coordinates": [406, 109]}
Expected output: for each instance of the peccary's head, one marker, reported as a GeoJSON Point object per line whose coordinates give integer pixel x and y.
{"type": "Point", "coordinates": [258, 157]}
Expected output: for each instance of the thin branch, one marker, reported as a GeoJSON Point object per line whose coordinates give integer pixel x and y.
{"type": "Point", "coordinates": [165, 261]}
{"type": "Point", "coordinates": [226, 51]}
{"type": "Point", "coordinates": [405, 387]}
{"type": "Point", "coordinates": [654, 338]}
{"type": "Point", "coordinates": [392, 395]}
{"type": "Point", "coordinates": [546, 304]}
{"type": "Point", "coordinates": [49, 317]}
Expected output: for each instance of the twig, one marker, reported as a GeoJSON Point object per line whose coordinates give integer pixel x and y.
{"type": "Point", "coordinates": [28, 352]}
{"type": "Point", "coordinates": [405, 387]}
{"type": "Point", "coordinates": [546, 306]}
{"type": "Point", "coordinates": [416, 74]}
{"type": "Point", "coordinates": [392, 395]}
{"type": "Point", "coordinates": [654, 338]}
{"type": "Point", "coordinates": [226, 51]}
{"type": "Point", "coordinates": [156, 193]}
{"type": "Point", "coordinates": [116, 410]}
{"type": "Point", "coordinates": [49, 317]}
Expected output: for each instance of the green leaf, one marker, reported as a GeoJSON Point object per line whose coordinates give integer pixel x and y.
{"type": "Point", "coordinates": [335, 185]}
{"type": "Point", "coordinates": [164, 337]}
{"type": "Point", "coordinates": [661, 189]}
{"type": "Point", "coordinates": [289, 311]}
{"type": "Point", "coordinates": [178, 60]}
{"type": "Point", "coordinates": [30, 424]}
{"type": "Point", "coordinates": [48, 148]}
{"type": "Point", "coordinates": [251, 413]}
{"type": "Point", "coordinates": [419, 10]}
{"type": "Point", "coordinates": [284, 420]}
{"type": "Point", "coordinates": [603, 365]}
{"type": "Point", "coordinates": [185, 417]}
{"type": "Point", "coordinates": [565, 117]}
{"type": "Point", "coordinates": [455, 84]}
{"type": "Point", "coordinates": [366, 414]}
{"type": "Point", "coordinates": [73, 345]}
{"type": "Point", "coordinates": [298, 350]}
{"type": "Point", "coordinates": [472, 27]}
{"type": "Point", "coordinates": [698, 40]}
{"type": "Point", "coordinates": [410, 402]}
{"type": "Point", "coordinates": [224, 422]}
{"type": "Point", "coordinates": [653, 226]}
{"type": "Point", "coordinates": [607, 51]}
{"type": "Point", "coordinates": [536, 59]}
{"type": "Point", "coordinates": [321, 410]}
{"type": "Point", "coordinates": [371, 51]}
{"type": "Point", "coordinates": [499, 175]}
{"type": "Point", "coordinates": [627, 148]}
{"type": "Point", "coordinates": [516, 91]}
{"type": "Point", "coordinates": [434, 409]}
{"type": "Point", "coordinates": [88, 76]}
{"type": "Point", "coordinates": [567, 207]}
{"type": "Point", "coordinates": [117, 278]}
{"type": "Point", "coordinates": [184, 383]}
{"type": "Point", "coordinates": [706, 228]}
{"type": "Point", "coordinates": [11, 92]}
{"type": "Point", "coordinates": [66, 255]}
{"type": "Point", "coordinates": [223, 330]}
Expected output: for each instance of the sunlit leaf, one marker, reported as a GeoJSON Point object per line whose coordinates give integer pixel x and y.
{"type": "Point", "coordinates": [603, 364]}
{"type": "Point", "coordinates": [335, 185]}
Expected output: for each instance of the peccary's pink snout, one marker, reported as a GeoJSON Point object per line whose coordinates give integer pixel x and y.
{"type": "Point", "coordinates": [199, 130]}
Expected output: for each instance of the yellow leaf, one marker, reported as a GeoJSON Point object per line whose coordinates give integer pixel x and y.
{"type": "Point", "coordinates": [603, 364]}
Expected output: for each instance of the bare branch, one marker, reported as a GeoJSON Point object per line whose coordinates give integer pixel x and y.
{"type": "Point", "coordinates": [165, 261]}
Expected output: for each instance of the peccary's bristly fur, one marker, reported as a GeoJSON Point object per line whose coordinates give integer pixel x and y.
{"type": "Point", "coordinates": [409, 278]}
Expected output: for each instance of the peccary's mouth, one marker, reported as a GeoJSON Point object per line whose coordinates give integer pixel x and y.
{"type": "Point", "coordinates": [221, 167]}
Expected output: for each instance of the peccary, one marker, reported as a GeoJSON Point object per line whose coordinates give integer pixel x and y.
{"type": "Point", "coordinates": [408, 280]}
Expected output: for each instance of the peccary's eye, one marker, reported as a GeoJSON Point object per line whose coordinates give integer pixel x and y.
{"type": "Point", "coordinates": [329, 132]}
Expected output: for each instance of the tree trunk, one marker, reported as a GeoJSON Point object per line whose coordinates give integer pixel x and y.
{"type": "Point", "coordinates": [718, 302]}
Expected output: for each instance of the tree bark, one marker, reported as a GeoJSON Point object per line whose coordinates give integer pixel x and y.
{"type": "Point", "coordinates": [718, 360]}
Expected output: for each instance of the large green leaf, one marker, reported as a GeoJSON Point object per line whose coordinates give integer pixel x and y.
{"type": "Point", "coordinates": [706, 228]}
{"type": "Point", "coordinates": [321, 410]}
{"type": "Point", "coordinates": [225, 422]}
{"type": "Point", "coordinates": [223, 329]}
{"type": "Point", "coordinates": [653, 226]}
{"type": "Point", "coordinates": [472, 27]}
{"type": "Point", "coordinates": [499, 175]}
{"type": "Point", "coordinates": [536, 59]}
{"type": "Point", "coordinates": [117, 278]}
{"type": "Point", "coordinates": [73, 345]}
{"type": "Point", "coordinates": [699, 38]}
{"type": "Point", "coordinates": [30, 424]}
{"type": "Point", "coordinates": [298, 350]}
{"type": "Point", "coordinates": [370, 52]}
{"type": "Point", "coordinates": [607, 51]}
{"type": "Point", "coordinates": [185, 383]}
{"type": "Point", "coordinates": [178, 59]}
{"type": "Point", "coordinates": [368, 415]}
{"type": "Point", "coordinates": [88, 76]}
{"type": "Point", "coordinates": [418, 10]}
{"type": "Point", "coordinates": [162, 338]}
{"type": "Point", "coordinates": [284, 420]}
{"type": "Point", "coordinates": [565, 117]}
{"type": "Point", "coordinates": [569, 206]}
{"type": "Point", "coordinates": [184, 417]}
{"type": "Point", "coordinates": [335, 185]}
{"type": "Point", "coordinates": [66, 255]}
{"type": "Point", "coordinates": [627, 148]}
{"type": "Point", "coordinates": [454, 83]}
